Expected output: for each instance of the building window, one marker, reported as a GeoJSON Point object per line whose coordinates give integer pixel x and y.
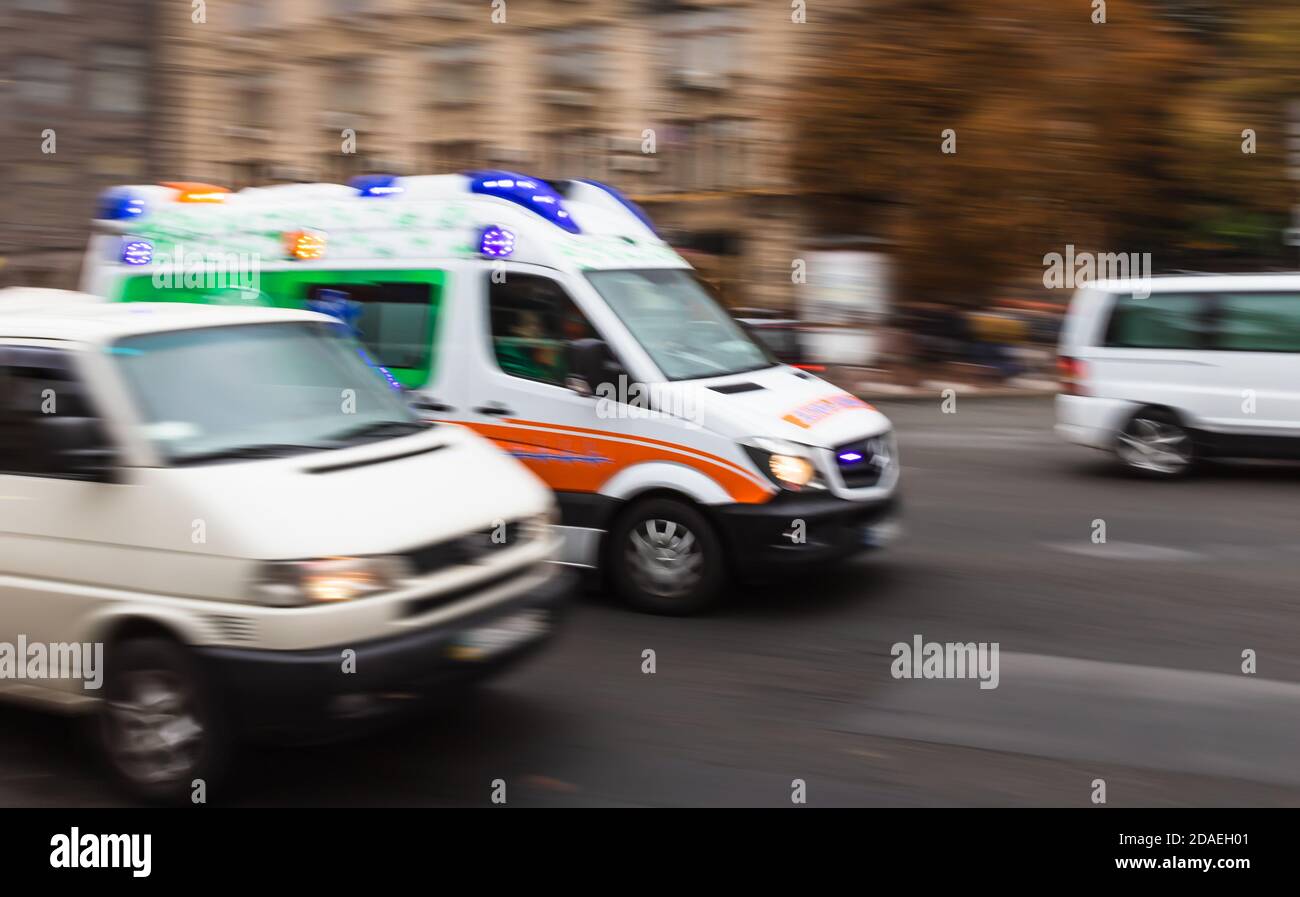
{"type": "Point", "coordinates": [42, 81]}
{"type": "Point", "coordinates": [254, 92]}
{"type": "Point", "coordinates": [119, 80]}
{"type": "Point", "coordinates": [253, 14]}
{"type": "Point", "coordinates": [449, 156]}
{"type": "Point", "coordinates": [351, 86]}
{"type": "Point", "coordinates": [576, 58]}
{"type": "Point", "coordinates": [454, 75]}
{"type": "Point", "coordinates": [56, 6]}
{"type": "Point", "coordinates": [576, 154]}
{"type": "Point", "coordinates": [704, 48]}
{"type": "Point", "coordinates": [714, 154]}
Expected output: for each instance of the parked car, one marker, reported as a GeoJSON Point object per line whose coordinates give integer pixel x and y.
{"type": "Point", "coordinates": [1168, 371]}
{"type": "Point", "coordinates": [252, 528]}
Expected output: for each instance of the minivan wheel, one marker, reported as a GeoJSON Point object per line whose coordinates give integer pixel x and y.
{"type": "Point", "coordinates": [159, 728]}
{"type": "Point", "coordinates": [1154, 443]}
{"type": "Point", "coordinates": [665, 558]}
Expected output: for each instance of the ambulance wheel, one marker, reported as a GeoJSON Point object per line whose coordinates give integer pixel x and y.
{"type": "Point", "coordinates": [665, 558]}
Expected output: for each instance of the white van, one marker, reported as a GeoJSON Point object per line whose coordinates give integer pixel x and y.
{"type": "Point", "coordinates": [551, 318]}
{"type": "Point", "coordinates": [220, 523]}
{"type": "Point", "coordinates": [1166, 371]}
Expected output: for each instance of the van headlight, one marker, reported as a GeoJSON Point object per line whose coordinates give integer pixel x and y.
{"type": "Point", "coordinates": [327, 580]}
{"type": "Point", "coordinates": [538, 526]}
{"type": "Point", "coordinates": [788, 464]}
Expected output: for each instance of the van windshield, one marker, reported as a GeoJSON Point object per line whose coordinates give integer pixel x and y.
{"type": "Point", "coordinates": [683, 330]}
{"type": "Point", "coordinates": [258, 391]}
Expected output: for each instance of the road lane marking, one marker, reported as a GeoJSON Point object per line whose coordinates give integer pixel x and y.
{"type": "Point", "coordinates": [1217, 724]}
{"type": "Point", "coordinates": [1125, 551]}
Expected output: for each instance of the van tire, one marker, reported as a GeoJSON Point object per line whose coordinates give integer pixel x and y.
{"type": "Point", "coordinates": [664, 557]}
{"type": "Point", "coordinates": [1155, 444]}
{"type": "Point", "coordinates": [151, 683]}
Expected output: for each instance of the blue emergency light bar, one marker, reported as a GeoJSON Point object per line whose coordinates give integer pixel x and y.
{"type": "Point", "coordinates": [533, 194]}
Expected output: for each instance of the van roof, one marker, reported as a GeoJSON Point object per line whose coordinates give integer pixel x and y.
{"type": "Point", "coordinates": [382, 219]}
{"type": "Point", "coordinates": [1197, 283]}
{"type": "Point", "coordinates": [62, 314]}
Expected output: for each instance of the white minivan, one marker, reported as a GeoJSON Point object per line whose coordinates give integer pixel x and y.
{"type": "Point", "coordinates": [551, 318]}
{"type": "Point", "coordinates": [1170, 370]}
{"type": "Point", "coordinates": [219, 523]}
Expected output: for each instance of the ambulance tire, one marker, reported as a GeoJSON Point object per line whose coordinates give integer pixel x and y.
{"type": "Point", "coordinates": [664, 557]}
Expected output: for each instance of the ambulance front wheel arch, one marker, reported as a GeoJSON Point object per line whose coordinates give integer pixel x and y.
{"type": "Point", "coordinates": [664, 556]}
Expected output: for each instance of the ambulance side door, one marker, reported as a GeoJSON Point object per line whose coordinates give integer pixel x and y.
{"type": "Point", "coordinates": [518, 394]}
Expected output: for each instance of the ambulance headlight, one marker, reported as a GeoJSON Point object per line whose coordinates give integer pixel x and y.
{"type": "Point", "coordinates": [788, 464]}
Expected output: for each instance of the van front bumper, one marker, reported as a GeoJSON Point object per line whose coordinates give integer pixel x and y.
{"type": "Point", "coordinates": [794, 529]}
{"type": "Point", "coordinates": [321, 692]}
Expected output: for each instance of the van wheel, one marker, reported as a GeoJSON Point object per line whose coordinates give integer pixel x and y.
{"type": "Point", "coordinates": [159, 726]}
{"type": "Point", "coordinates": [1154, 443]}
{"type": "Point", "coordinates": [665, 558]}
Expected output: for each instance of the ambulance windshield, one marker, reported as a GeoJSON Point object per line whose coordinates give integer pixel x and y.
{"type": "Point", "coordinates": [686, 333]}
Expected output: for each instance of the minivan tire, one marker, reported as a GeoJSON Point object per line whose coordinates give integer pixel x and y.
{"type": "Point", "coordinates": [160, 728]}
{"type": "Point", "coordinates": [665, 558]}
{"type": "Point", "coordinates": [1155, 444]}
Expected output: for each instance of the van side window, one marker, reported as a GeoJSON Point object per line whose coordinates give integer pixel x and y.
{"type": "Point", "coordinates": [1258, 322]}
{"type": "Point", "coordinates": [1160, 321]}
{"type": "Point", "coordinates": [532, 318]}
{"type": "Point", "coordinates": [39, 393]}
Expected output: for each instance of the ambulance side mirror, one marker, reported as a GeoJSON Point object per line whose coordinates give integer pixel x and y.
{"type": "Point", "coordinates": [590, 363]}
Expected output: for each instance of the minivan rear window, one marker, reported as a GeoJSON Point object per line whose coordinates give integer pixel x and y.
{"type": "Point", "coordinates": [1160, 321]}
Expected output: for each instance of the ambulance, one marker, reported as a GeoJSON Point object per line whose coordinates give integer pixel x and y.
{"type": "Point", "coordinates": [551, 318]}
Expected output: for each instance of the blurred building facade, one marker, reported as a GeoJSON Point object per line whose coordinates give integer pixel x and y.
{"type": "Point", "coordinates": [681, 105]}
{"type": "Point", "coordinates": [79, 101]}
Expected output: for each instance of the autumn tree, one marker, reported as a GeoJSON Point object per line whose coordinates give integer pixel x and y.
{"type": "Point", "coordinates": [1059, 128]}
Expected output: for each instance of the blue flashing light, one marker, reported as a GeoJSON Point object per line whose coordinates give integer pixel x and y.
{"type": "Point", "coordinates": [376, 184]}
{"type": "Point", "coordinates": [137, 252]}
{"type": "Point", "coordinates": [496, 242]}
{"type": "Point", "coordinates": [119, 205]}
{"type": "Point", "coordinates": [850, 457]}
{"type": "Point", "coordinates": [340, 305]}
{"type": "Point", "coordinates": [533, 194]}
{"type": "Point", "coordinates": [627, 203]}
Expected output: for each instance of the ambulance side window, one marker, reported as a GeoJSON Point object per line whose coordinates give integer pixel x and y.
{"type": "Point", "coordinates": [532, 318]}
{"type": "Point", "coordinates": [392, 320]}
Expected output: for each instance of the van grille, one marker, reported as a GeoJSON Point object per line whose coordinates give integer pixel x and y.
{"type": "Point", "coordinates": [467, 549]}
{"type": "Point", "coordinates": [424, 605]}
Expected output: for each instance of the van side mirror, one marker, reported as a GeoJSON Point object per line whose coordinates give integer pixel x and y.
{"type": "Point", "coordinates": [78, 448]}
{"type": "Point", "coordinates": [590, 363]}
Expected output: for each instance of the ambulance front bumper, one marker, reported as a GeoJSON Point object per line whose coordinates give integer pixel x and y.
{"type": "Point", "coordinates": [794, 529]}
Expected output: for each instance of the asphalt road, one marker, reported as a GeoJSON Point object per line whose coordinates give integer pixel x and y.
{"type": "Point", "coordinates": [1118, 661]}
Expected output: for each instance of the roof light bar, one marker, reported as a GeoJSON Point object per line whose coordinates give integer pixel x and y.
{"type": "Point", "coordinates": [533, 194]}
{"type": "Point", "coordinates": [376, 184]}
{"type": "Point", "coordinates": [192, 191]}
{"type": "Point", "coordinates": [119, 204]}
{"type": "Point", "coordinates": [627, 203]}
